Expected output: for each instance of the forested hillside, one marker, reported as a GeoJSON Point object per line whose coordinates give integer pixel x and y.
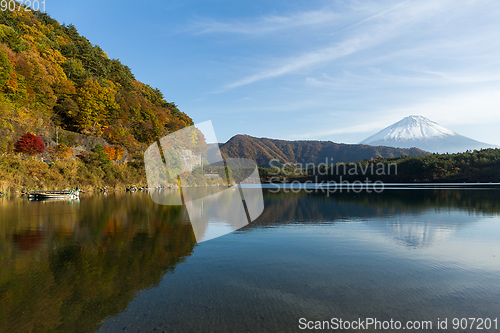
{"type": "Point", "coordinates": [51, 76]}
{"type": "Point", "coordinates": [471, 167]}
{"type": "Point", "coordinates": [86, 113]}
{"type": "Point", "coordinates": [263, 150]}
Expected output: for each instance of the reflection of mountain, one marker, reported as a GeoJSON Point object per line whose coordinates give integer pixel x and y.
{"type": "Point", "coordinates": [67, 267]}
{"type": "Point", "coordinates": [400, 215]}
{"type": "Point", "coordinates": [416, 230]}
{"type": "Point", "coordinates": [216, 214]}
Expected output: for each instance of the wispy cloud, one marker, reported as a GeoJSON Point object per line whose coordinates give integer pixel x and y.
{"type": "Point", "coordinates": [471, 107]}
{"type": "Point", "coordinates": [355, 69]}
{"type": "Point", "coordinates": [306, 60]}
{"type": "Point", "coordinates": [361, 128]}
{"type": "Point", "coordinates": [382, 13]}
{"type": "Point", "coordinates": [396, 18]}
{"type": "Point", "coordinates": [378, 79]}
{"type": "Point", "coordinates": [265, 24]}
{"type": "Point", "coordinates": [482, 47]}
{"type": "Point", "coordinates": [448, 78]}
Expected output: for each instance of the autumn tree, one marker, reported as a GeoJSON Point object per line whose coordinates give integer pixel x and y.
{"type": "Point", "coordinates": [5, 68]}
{"type": "Point", "coordinates": [60, 152]}
{"type": "Point", "coordinates": [51, 73]}
{"type": "Point", "coordinates": [97, 105]}
{"type": "Point", "coordinates": [100, 156]}
{"type": "Point", "coordinates": [114, 152]}
{"type": "Point", "coordinates": [29, 144]}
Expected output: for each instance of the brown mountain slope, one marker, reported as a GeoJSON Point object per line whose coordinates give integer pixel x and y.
{"type": "Point", "coordinates": [263, 150]}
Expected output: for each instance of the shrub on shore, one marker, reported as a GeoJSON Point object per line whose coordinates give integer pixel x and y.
{"type": "Point", "coordinates": [30, 144]}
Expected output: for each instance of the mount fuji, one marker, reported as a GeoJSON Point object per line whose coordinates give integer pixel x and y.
{"type": "Point", "coordinates": [420, 132]}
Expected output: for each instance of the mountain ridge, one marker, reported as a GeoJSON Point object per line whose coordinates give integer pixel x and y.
{"type": "Point", "coordinates": [264, 150]}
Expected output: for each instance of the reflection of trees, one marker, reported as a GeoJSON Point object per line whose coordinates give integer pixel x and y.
{"type": "Point", "coordinates": [392, 212]}
{"type": "Point", "coordinates": [88, 270]}
{"type": "Point", "coordinates": [303, 207]}
{"type": "Point", "coordinates": [473, 201]}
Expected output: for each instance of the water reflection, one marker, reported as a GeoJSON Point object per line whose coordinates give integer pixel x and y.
{"type": "Point", "coordinates": [406, 216]}
{"type": "Point", "coordinates": [407, 255]}
{"type": "Point", "coordinates": [66, 266]}
{"type": "Point", "coordinates": [69, 266]}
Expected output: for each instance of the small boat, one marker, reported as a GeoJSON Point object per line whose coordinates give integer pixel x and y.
{"type": "Point", "coordinates": [54, 195]}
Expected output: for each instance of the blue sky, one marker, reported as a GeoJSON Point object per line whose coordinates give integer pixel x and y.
{"type": "Point", "coordinates": [309, 70]}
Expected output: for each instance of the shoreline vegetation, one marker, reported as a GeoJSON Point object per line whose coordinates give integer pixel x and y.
{"type": "Point", "coordinates": [481, 166]}
{"type": "Point", "coordinates": [20, 173]}
{"type": "Point", "coordinates": [95, 171]}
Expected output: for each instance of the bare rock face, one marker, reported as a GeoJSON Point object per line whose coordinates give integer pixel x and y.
{"type": "Point", "coordinates": [189, 160]}
{"type": "Point", "coordinates": [86, 143]}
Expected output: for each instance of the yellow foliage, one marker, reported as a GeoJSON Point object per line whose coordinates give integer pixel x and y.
{"type": "Point", "coordinates": [54, 56]}
{"type": "Point", "coordinates": [23, 13]}
{"type": "Point", "coordinates": [96, 104]}
{"type": "Point", "coordinates": [62, 41]}
{"type": "Point", "coordinates": [45, 29]}
{"type": "Point", "coordinates": [65, 87]}
{"type": "Point", "coordinates": [30, 30]}
{"type": "Point", "coordinates": [61, 152]}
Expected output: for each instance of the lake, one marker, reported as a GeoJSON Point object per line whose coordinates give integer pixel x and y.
{"type": "Point", "coordinates": [123, 263]}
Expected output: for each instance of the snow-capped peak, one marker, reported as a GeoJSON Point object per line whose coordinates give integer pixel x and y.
{"type": "Point", "coordinates": [420, 132]}
{"type": "Point", "coordinates": [411, 128]}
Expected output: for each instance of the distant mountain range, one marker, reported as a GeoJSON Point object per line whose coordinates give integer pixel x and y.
{"type": "Point", "coordinates": [263, 150]}
{"type": "Point", "coordinates": [420, 132]}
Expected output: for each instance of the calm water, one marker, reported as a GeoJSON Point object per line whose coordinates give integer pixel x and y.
{"type": "Point", "coordinates": [120, 263]}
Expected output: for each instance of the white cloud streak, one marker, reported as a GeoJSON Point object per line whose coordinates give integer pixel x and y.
{"type": "Point", "coordinates": [266, 24]}
{"type": "Point", "coordinates": [382, 13]}
{"type": "Point", "coordinates": [472, 107]}
{"type": "Point", "coordinates": [396, 19]}
{"type": "Point", "coordinates": [361, 128]}
{"type": "Point", "coordinates": [307, 60]}
{"type": "Point", "coordinates": [380, 79]}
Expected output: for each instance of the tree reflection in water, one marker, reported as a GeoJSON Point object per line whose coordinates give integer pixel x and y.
{"type": "Point", "coordinates": [67, 266]}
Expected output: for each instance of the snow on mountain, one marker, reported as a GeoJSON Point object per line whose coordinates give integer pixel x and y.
{"type": "Point", "coordinates": [411, 128]}
{"type": "Point", "coordinates": [420, 132]}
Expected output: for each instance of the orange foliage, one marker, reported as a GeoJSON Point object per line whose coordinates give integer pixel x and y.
{"type": "Point", "coordinates": [114, 152]}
